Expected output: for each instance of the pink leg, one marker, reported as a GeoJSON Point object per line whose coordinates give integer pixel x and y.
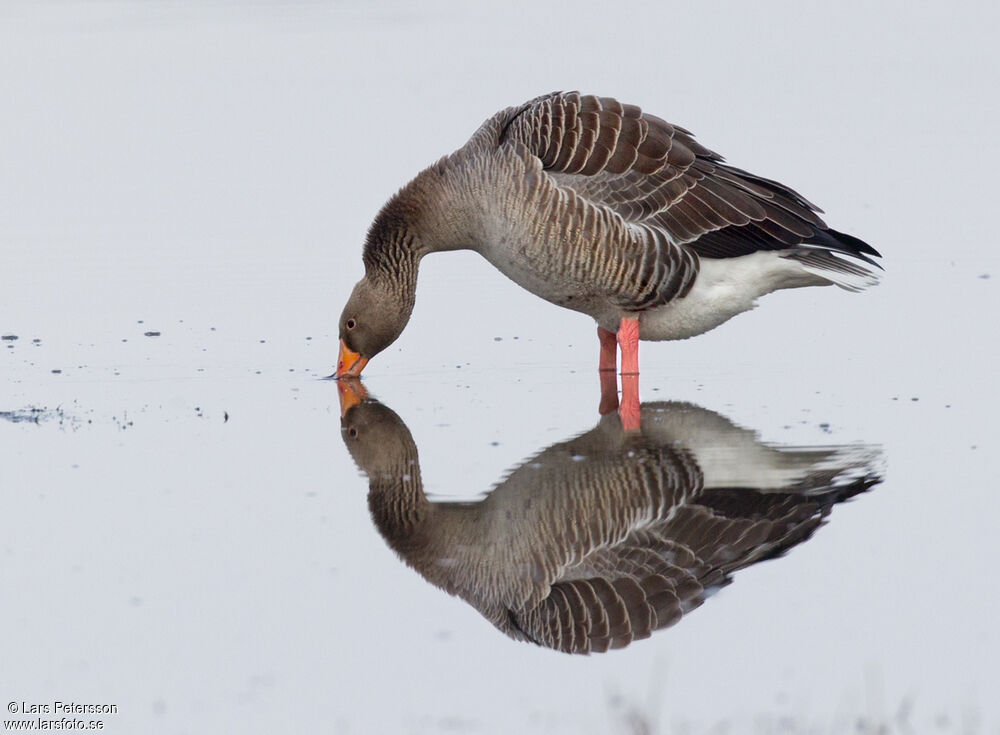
{"type": "Point", "coordinates": [609, 380]}
{"type": "Point", "coordinates": [628, 338]}
{"type": "Point", "coordinates": [609, 349]}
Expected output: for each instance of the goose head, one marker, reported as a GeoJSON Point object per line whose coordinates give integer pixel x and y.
{"type": "Point", "coordinates": [375, 436]}
{"type": "Point", "coordinates": [373, 318]}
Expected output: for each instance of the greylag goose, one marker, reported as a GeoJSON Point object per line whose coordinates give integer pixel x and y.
{"type": "Point", "coordinates": [598, 207]}
{"type": "Point", "coordinates": [603, 539]}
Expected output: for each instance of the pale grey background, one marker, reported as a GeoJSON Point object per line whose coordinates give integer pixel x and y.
{"type": "Point", "coordinates": [215, 165]}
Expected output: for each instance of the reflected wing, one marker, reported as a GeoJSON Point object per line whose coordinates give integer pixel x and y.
{"type": "Point", "coordinates": [620, 594]}
{"type": "Point", "coordinates": [652, 173]}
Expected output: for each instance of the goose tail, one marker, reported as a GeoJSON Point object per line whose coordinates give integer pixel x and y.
{"type": "Point", "coordinates": [840, 259]}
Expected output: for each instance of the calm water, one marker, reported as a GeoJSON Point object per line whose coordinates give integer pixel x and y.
{"type": "Point", "coordinates": [185, 532]}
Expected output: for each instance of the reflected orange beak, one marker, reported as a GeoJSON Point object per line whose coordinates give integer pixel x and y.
{"type": "Point", "coordinates": [349, 364]}
{"type": "Point", "coordinates": [351, 393]}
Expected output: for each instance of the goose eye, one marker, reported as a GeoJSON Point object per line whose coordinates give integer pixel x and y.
{"type": "Point", "coordinates": [352, 432]}
{"type": "Point", "coordinates": [351, 324]}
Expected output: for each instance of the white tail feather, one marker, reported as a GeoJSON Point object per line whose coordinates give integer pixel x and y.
{"type": "Point", "coordinates": [849, 275]}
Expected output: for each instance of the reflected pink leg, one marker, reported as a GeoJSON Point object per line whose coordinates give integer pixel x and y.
{"type": "Point", "coordinates": [609, 392]}
{"type": "Point", "coordinates": [629, 411]}
{"type": "Point", "coordinates": [628, 339]}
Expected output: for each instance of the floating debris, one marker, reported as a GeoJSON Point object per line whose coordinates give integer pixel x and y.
{"type": "Point", "coordinates": [9, 337]}
{"type": "Point", "coordinates": [151, 334]}
{"type": "Point", "coordinates": [38, 415]}
{"type": "Point", "coordinates": [32, 414]}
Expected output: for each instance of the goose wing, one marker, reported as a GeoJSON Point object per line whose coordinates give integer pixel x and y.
{"type": "Point", "coordinates": [655, 174]}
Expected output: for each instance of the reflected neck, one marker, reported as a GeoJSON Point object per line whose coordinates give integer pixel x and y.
{"type": "Point", "coordinates": [399, 507]}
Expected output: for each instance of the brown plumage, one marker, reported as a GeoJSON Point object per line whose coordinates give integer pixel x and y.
{"type": "Point", "coordinates": [601, 208]}
{"type": "Point", "coordinates": [600, 540]}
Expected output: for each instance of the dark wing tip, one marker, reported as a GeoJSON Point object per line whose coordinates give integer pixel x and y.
{"type": "Point", "coordinates": [844, 243]}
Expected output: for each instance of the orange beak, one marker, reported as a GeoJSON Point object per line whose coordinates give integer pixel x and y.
{"type": "Point", "coordinates": [349, 364]}
{"type": "Point", "coordinates": [351, 393]}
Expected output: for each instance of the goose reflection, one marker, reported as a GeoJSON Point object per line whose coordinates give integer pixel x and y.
{"type": "Point", "coordinates": [600, 540]}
